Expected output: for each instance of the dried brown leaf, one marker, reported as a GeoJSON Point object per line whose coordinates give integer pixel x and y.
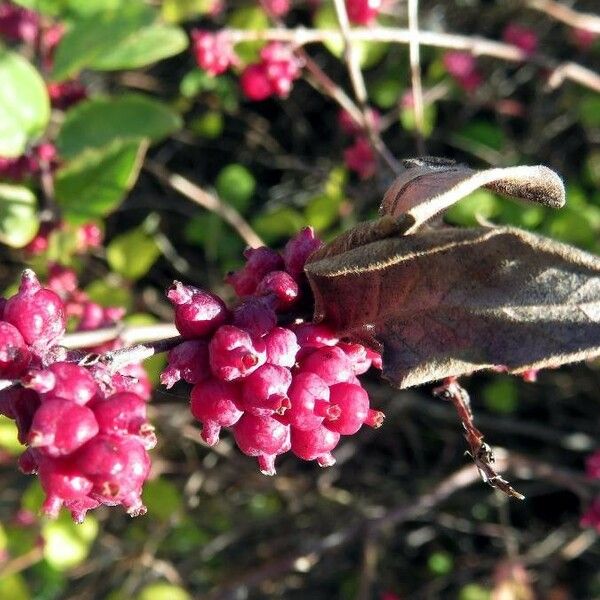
{"type": "Point", "coordinates": [430, 186]}
{"type": "Point", "coordinates": [453, 301]}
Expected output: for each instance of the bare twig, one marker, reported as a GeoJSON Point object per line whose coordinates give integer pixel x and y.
{"type": "Point", "coordinates": [475, 45]}
{"type": "Point", "coordinates": [481, 453]}
{"type": "Point", "coordinates": [415, 74]}
{"type": "Point", "coordinates": [127, 334]}
{"type": "Point", "coordinates": [565, 14]}
{"type": "Point", "coordinates": [201, 197]}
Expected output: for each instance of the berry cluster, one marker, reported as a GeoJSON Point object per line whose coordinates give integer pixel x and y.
{"type": "Point", "coordinates": [29, 164]}
{"type": "Point", "coordinates": [213, 51]}
{"type": "Point", "coordinates": [277, 387]}
{"type": "Point", "coordinates": [273, 75]}
{"type": "Point", "coordinates": [83, 237]}
{"type": "Point", "coordinates": [591, 517]}
{"type": "Point", "coordinates": [463, 68]}
{"type": "Point", "coordinates": [85, 428]}
{"type": "Point", "coordinates": [522, 37]}
{"type": "Point", "coordinates": [359, 157]}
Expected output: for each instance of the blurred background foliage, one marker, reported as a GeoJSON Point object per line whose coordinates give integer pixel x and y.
{"type": "Point", "coordinates": [215, 527]}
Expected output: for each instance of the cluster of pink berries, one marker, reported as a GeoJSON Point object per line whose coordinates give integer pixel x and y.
{"type": "Point", "coordinates": [462, 66]}
{"type": "Point", "coordinates": [522, 37]}
{"type": "Point", "coordinates": [277, 387]}
{"type": "Point", "coordinates": [29, 164]}
{"type": "Point", "coordinates": [363, 12]}
{"type": "Point", "coordinates": [87, 236]}
{"type": "Point", "coordinates": [359, 157]}
{"type": "Point", "coordinates": [85, 428]}
{"type": "Point", "coordinates": [591, 517]}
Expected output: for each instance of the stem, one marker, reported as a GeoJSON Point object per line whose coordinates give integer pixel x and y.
{"type": "Point", "coordinates": [565, 14]}
{"type": "Point", "coordinates": [415, 74]}
{"type": "Point", "coordinates": [475, 45]}
{"type": "Point", "coordinates": [127, 334]}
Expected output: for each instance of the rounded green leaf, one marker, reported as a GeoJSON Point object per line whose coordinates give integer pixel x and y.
{"type": "Point", "coordinates": [24, 103]}
{"type": "Point", "coordinates": [163, 591]}
{"type": "Point", "coordinates": [248, 17]}
{"type": "Point", "coordinates": [94, 184]}
{"type": "Point", "coordinates": [67, 544]}
{"type": "Point", "coordinates": [132, 253]}
{"type": "Point", "coordinates": [18, 215]}
{"type": "Point", "coordinates": [14, 587]}
{"type": "Point", "coordinates": [235, 184]}
{"type": "Point", "coordinates": [8, 438]}
{"type": "Point", "coordinates": [470, 210]}
{"type": "Point", "coordinates": [143, 47]}
{"type": "Point", "coordinates": [98, 121]}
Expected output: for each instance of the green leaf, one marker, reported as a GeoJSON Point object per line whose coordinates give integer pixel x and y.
{"type": "Point", "coordinates": [176, 11]}
{"type": "Point", "coordinates": [479, 204]}
{"type": "Point", "coordinates": [322, 211]}
{"type": "Point", "coordinates": [408, 121]}
{"type": "Point", "coordinates": [98, 121]}
{"type": "Point", "coordinates": [144, 47]}
{"type": "Point", "coordinates": [109, 293]}
{"type": "Point", "coordinates": [589, 111]}
{"type": "Point", "coordinates": [94, 184]}
{"type": "Point", "coordinates": [14, 587]}
{"type": "Point", "coordinates": [502, 395]}
{"type": "Point", "coordinates": [209, 125]}
{"type": "Point", "coordinates": [440, 563]}
{"type": "Point", "coordinates": [67, 544]}
{"type": "Point", "coordinates": [368, 53]}
{"type": "Point", "coordinates": [91, 38]}
{"type": "Point", "coordinates": [248, 17]}
{"type": "Point", "coordinates": [482, 133]}
{"type": "Point", "coordinates": [18, 215]}
{"type": "Point", "coordinates": [162, 499]}
{"type": "Point", "coordinates": [163, 591]}
{"type": "Point", "coordinates": [385, 92]}
{"type": "Point", "coordinates": [24, 104]}
{"type": "Point", "coordinates": [8, 436]}
{"type": "Point", "coordinates": [235, 184]}
{"type": "Point", "coordinates": [132, 253]}
{"type": "Point", "coordinates": [279, 223]}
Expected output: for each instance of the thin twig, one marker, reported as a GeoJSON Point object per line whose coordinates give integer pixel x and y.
{"type": "Point", "coordinates": [480, 452]}
{"type": "Point", "coordinates": [565, 14]}
{"type": "Point", "coordinates": [201, 197]}
{"type": "Point", "coordinates": [415, 74]}
{"type": "Point", "coordinates": [475, 45]}
{"type": "Point", "coordinates": [127, 334]}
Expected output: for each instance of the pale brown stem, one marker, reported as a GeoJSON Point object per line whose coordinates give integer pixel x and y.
{"type": "Point", "coordinates": [415, 74]}
{"type": "Point", "coordinates": [475, 45]}
{"type": "Point", "coordinates": [127, 334]}
{"type": "Point", "coordinates": [565, 14]}
{"type": "Point", "coordinates": [208, 201]}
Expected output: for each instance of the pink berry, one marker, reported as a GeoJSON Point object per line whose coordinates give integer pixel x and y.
{"type": "Point", "coordinates": [353, 401]}
{"type": "Point", "coordinates": [315, 335]}
{"type": "Point", "coordinates": [62, 482]}
{"type": "Point", "coordinates": [215, 404]}
{"type": "Point", "coordinates": [277, 8]}
{"type": "Point", "coordinates": [591, 518]}
{"type": "Point", "coordinates": [23, 405]}
{"type": "Point", "coordinates": [584, 39]}
{"type": "Point", "coordinates": [263, 437]}
{"type": "Point", "coordinates": [298, 249]}
{"type": "Point", "coordinates": [315, 444]}
{"type": "Point", "coordinates": [360, 158]}
{"type": "Point", "coordinates": [524, 38]}
{"type": "Point", "coordinates": [592, 465]}
{"type": "Point", "coordinates": [350, 127]}
{"type": "Point", "coordinates": [213, 51]}
{"type": "Point", "coordinates": [89, 235]}
{"type": "Point", "coordinates": [18, 24]}
{"type": "Point", "coordinates": [124, 413]}
{"type": "Point", "coordinates": [459, 64]}
{"type": "Point", "coordinates": [281, 286]}
{"type": "Point", "coordinates": [197, 313]}
{"type": "Point", "coordinates": [187, 361]}
{"type": "Point", "coordinates": [330, 364]}
{"type": "Point", "coordinates": [65, 94]}
{"type": "Point", "coordinates": [59, 427]}
{"type": "Point", "coordinates": [259, 262]}
{"type": "Point", "coordinates": [309, 397]}
{"type": "Point", "coordinates": [358, 355]}
{"type": "Point", "coordinates": [233, 353]}
{"type": "Point", "coordinates": [280, 66]}
{"type": "Point", "coordinates": [134, 379]}
{"type": "Point", "coordinates": [117, 467]}
{"type": "Point", "coordinates": [282, 347]}
{"type": "Point", "coordinates": [63, 380]}
{"type": "Point", "coordinates": [375, 358]}
{"type": "Point", "coordinates": [256, 316]}
{"type": "Point", "coordinates": [363, 12]}
{"type": "Point", "coordinates": [264, 392]}
{"type": "Point", "coordinates": [255, 83]}
{"type": "Point", "coordinates": [14, 354]}
{"type": "Point", "coordinates": [36, 312]}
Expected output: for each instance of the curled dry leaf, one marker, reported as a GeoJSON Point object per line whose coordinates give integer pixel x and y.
{"type": "Point", "coordinates": [448, 302]}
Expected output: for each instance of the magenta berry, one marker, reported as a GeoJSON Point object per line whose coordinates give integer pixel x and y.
{"type": "Point", "coordinates": [259, 262]}
{"type": "Point", "coordinates": [315, 444]}
{"type": "Point", "coordinates": [330, 363]}
{"type": "Point", "coordinates": [281, 286]}
{"type": "Point", "coordinates": [187, 361]}
{"type": "Point", "coordinates": [255, 83]}
{"type": "Point", "coordinates": [277, 8]}
{"type": "Point", "coordinates": [360, 158]}
{"type": "Point", "coordinates": [592, 465]}
{"type": "Point", "coordinates": [18, 24]}
{"type": "Point", "coordinates": [256, 316]}
{"type": "Point", "coordinates": [263, 437]}
{"type": "Point", "coordinates": [353, 401]}
{"type": "Point", "coordinates": [197, 313]}
{"type": "Point", "coordinates": [63, 380]}
{"type": "Point", "coordinates": [215, 404]}
{"type": "Point", "coordinates": [36, 312]}
{"type": "Point", "coordinates": [363, 12]}
{"type": "Point", "coordinates": [23, 405]}
{"type": "Point", "coordinates": [310, 406]}
{"type": "Point", "coordinates": [282, 347]}
{"type": "Point", "coordinates": [213, 51]}
{"type": "Point", "coordinates": [591, 517]}
{"type": "Point", "coordinates": [264, 392]}
{"type": "Point", "coordinates": [59, 427]}
{"type": "Point", "coordinates": [233, 353]}
{"type": "Point", "coordinates": [358, 355]}
{"type": "Point", "coordinates": [298, 249]}
{"type": "Point", "coordinates": [524, 38]}
{"type": "Point", "coordinates": [14, 354]}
